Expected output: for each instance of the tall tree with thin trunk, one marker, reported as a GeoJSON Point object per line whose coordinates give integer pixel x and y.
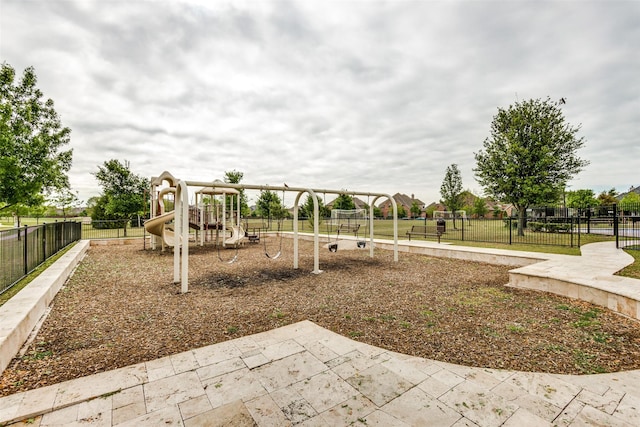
{"type": "Point", "coordinates": [235, 177]}
{"type": "Point", "coordinates": [451, 190]}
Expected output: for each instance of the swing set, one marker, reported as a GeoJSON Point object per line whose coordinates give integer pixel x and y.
{"type": "Point", "coordinates": [346, 221]}
{"type": "Point", "coordinates": [279, 234]}
{"type": "Point", "coordinates": [181, 222]}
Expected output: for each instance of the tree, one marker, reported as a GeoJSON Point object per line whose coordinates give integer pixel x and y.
{"type": "Point", "coordinates": [344, 201]}
{"type": "Point", "coordinates": [64, 200]}
{"type": "Point", "coordinates": [235, 177]}
{"type": "Point", "coordinates": [608, 197]}
{"type": "Point", "coordinates": [415, 209]}
{"type": "Point", "coordinates": [630, 202]}
{"type": "Point", "coordinates": [402, 213]}
{"type": "Point", "coordinates": [31, 139]}
{"type": "Point", "coordinates": [480, 207]}
{"type": "Point", "coordinates": [530, 155]}
{"type": "Point", "coordinates": [91, 203]}
{"type": "Point", "coordinates": [306, 209]}
{"type": "Point", "coordinates": [270, 206]}
{"type": "Point", "coordinates": [429, 210]}
{"type": "Point", "coordinates": [581, 199]}
{"type": "Point", "coordinates": [37, 212]}
{"type": "Point", "coordinates": [451, 190]}
{"type": "Point", "coordinates": [123, 192]}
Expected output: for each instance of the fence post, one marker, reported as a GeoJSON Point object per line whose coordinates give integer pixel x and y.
{"type": "Point", "coordinates": [571, 231]}
{"type": "Point", "coordinates": [615, 224]}
{"type": "Point", "coordinates": [26, 264]}
{"type": "Point", "coordinates": [44, 240]}
{"type": "Point", "coordinates": [579, 227]}
{"type": "Point", "coordinates": [510, 229]}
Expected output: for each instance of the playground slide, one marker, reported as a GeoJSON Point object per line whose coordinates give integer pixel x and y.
{"type": "Point", "coordinates": [156, 227]}
{"type": "Point", "coordinates": [237, 234]}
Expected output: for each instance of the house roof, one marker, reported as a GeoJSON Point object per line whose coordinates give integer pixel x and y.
{"type": "Point", "coordinates": [631, 190]}
{"type": "Point", "coordinates": [356, 201]}
{"type": "Point", "coordinates": [403, 199]}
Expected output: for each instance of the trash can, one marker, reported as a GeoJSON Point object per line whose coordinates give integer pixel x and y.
{"type": "Point", "coordinates": [441, 226]}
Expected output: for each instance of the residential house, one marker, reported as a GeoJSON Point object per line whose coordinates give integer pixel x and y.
{"type": "Point", "coordinates": [401, 200]}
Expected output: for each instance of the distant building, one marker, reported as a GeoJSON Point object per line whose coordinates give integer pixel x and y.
{"type": "Point", "coordinates": [631, 190]}
{"type": "Point", "coordinates": [359, 204]}
{"type": "Point", "coordinates": [401, 200]}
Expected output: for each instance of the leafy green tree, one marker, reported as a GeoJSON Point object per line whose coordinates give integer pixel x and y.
{"type": "Point", "coordinates": [630, 203]}
{"type": "Point", "coordinates": [428, 212]}
{"type": "Point", "coordinates": [581, 199]}
{"type": "Point", "coordinates": [37, 212]}
{"type": "Point", "coordinates": [415, 209]}
{"type": "Point", "coordinates": [608, 197]}
{"type": "Point", "coordinates": [269, 206]}
{"type": "Point", "coordinates": [235, 177]}
{"type": "Point", "coordinates": [306, 209]}
{"type": "Point", "coordinates": [31, 139]}
{"type": "Point", "coordinates": [344, 201]}
{"type": "Point", "coordinates": [402, 213]}
{"type": "Point", "coordinates": [530, 155]}
{"type": "Point", "coordinates": [91, 203]}
{"type": "Point", "coordinates": [480, 207]}
{"type": "Point", "coordinates": [123, 192]}
{"type": "Point", "coordinates": [451, 190]}
{"type": "Point", "coordinates": [65, 200]}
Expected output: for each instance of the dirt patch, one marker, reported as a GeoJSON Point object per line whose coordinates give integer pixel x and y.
{"type": "Point", "coordinates": [121, 307]}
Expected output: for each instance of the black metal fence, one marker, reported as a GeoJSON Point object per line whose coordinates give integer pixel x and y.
{"type": "Point", "coordinates": [555, 226]}
{"type": "Point", "coordinates": [111, 229]}
{"type": "Point", "coordinates": [620, 220]}
{"type": "Point", "coordinates": [25, 248]}
{"type": "Point", "coordinates": [556, 231]}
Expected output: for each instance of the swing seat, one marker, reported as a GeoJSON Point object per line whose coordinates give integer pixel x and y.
{"type": "Point", "coordinates": [333, 247]}
{"type": "Point", "coordinates": [361, 244]}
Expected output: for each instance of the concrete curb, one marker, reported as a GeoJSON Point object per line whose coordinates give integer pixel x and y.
{"type": "Point", "coordinates": [20, 314]}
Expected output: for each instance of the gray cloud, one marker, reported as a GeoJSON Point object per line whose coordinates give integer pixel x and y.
{"type": "Point", "coordinates": [372, 96]}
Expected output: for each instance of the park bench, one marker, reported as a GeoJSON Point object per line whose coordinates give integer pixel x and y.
{"type": "Point", "coordinates": [423, 230]}
{"type": "Point", "coordinates": [253, 234]}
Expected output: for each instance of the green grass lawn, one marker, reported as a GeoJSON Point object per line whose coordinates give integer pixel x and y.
{"type": "Point", "coordinates": [634, 269]}
{"type": "Point", "coordinates": [7, 222]}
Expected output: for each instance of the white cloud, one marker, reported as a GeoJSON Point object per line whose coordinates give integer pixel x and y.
{"type": "Point", "coordinates": [364, 95]}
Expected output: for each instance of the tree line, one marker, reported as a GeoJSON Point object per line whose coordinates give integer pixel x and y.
{"type": "Point", "coordinates": [528, 158]}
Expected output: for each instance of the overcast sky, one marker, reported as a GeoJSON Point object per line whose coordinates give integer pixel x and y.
{"type": "Point", "coordinates": [358, 95]}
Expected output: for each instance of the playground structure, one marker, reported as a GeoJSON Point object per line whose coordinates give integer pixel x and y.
{"type": "Point", "coordinates": [208, 217]}
{"type": "Point", "coordinates": [178, 233]}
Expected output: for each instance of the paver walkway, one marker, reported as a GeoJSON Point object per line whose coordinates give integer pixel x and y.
{"type": "Point", "coordinates": [306, 375]}
{"type": "Point", "coordinates": [302, 374]}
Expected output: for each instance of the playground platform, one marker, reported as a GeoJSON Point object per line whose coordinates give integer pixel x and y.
{"type": "Point", "coordinates": [305, 375]}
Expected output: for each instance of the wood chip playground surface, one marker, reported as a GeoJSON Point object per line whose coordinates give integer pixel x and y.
{"type": "Point", "coordinates": [120, 308]}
